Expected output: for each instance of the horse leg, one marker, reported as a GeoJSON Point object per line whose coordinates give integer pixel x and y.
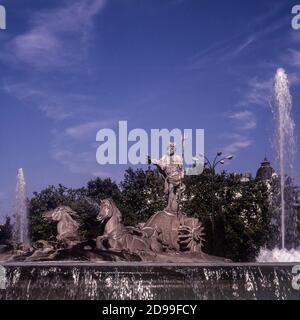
{"type": "Point", "coordinates": [99, 242]}
{"type": "Point", "coordinates": [138, 244]}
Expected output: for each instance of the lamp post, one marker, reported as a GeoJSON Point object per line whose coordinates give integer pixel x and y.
{"type": "Point", "coordinates": [219, 159]}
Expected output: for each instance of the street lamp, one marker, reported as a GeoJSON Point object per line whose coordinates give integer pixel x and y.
{"type": "Point", "coordinates": [219, 159]}
{"type": "Point", "coordinates": [212, 166]}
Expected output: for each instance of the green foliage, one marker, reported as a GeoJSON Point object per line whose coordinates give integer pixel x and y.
{"type": "Point", "coordinates": [141, 195]}
{"type": "Point", "coordinates": [292, 213]}
{"type": "Point", "coordinates": [83, 201]}
{"type": "Point", "coordinates": [5, 232]}
{"type": "Point", "coordinates": [247, 219]}
{"type": "Point", "coordinates": [236, 215]}
{"type": "Point", "coordinates": [99, 189]}
{"type": "Point", "coordinates": [46, 200]}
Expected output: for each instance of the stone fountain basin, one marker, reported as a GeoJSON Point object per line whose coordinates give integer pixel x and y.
{"type": "Point", "coordinates": [144, 280]}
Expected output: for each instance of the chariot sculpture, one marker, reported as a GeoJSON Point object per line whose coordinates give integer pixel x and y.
{"type": "Point", "coordinates": [168, 235]}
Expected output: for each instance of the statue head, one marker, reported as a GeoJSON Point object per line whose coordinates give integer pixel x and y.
{"type": "Point", "coordinates": [59, 213]}
{"type": "Point", "coordinates": [171, 150]}
{"type": "Point", "coordinates": [107, 210]}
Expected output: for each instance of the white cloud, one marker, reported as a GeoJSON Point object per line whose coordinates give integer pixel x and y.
{"type": "Point", "coordinates": [238, 143]}
{"type": "Point", "coordinates": [244, 120]}
{"type": "Point", "coordinates": [294, 57]}
{"type": "Point", "coordinates": [55, 37]}
{"type": "Point", "coordinates": [75, 146]}
{"type": "Point", "coordinates": [75, 156]}
{"type": "Point", "coordinates": [295, 36]}
{"type": "Point", "coordinates": [232, 47]}
{"type": "Point", "coordinates": [259, 93]}
{"type": "Point", "coordinates": [55, 104]}
{"type": "Point", "coordinates": [84, 130]}
{"type": "Point", "coordinates": [79, 161]}
{"type": "Point", "coordinates": [244, 45]}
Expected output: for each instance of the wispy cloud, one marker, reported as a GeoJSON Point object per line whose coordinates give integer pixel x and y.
{"type": "Point", "coordinates": [76, 157]}
{"type": "Point", "coordinates": [76, 162]}
{"type": "Point", "coordinates": [241, 47]}
{"type": "Point", "coordinates": [57, 39]}
{"type": "Point", "coordinates": [259, 92]}
{"type": "Point", "coordinates": [84, 130]}
{"type": "Point", "coordinates": [234, 46]}
{"type": "Point", "coordinates": [293, 57]}
{"type": "Point", "coordinates": [75, 146]}
{"type": "Point", "coordinates": [54, 103]}
{"type": "Point", "coordinates": [244, 120]}
{"type": "Point", "coordinates": [238, 142]}
{"type": "Point", "coordinates": [57, 42]}
{"type": "Point", "coordinates": [49, 42]}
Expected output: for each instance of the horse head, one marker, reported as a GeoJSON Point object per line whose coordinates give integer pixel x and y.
{"type": "Point", "coordinates": [108, 209]}
{"type": "Point", "coordinates": [59, 213]}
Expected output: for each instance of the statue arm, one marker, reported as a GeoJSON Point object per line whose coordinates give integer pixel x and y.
{"type": "Point", "coordinates": [182, 171]}
{"type": "Point", "coordinates": [158, 163]}
{"type": "Point", "coordinates": [181, 167]}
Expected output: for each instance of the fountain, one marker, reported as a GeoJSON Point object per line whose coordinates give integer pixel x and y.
{"type": "Point", "coordinates": [285, 141]}
{"type": "Point", "coordinates": [285, 152]}
{"type": "Point", "coordinates": [159, 259]}
{"type": "Point", "coordinates": [20, 226]}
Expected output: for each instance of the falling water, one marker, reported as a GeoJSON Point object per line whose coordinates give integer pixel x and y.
{"type": "Point", "coordinates": [20, 228]}
{"type": "Point", "coordinates": [284, 136]}
{"type": "Point", "coordinates": [285, 152]}
{"type": "Point", "coordinates": [128, 281]}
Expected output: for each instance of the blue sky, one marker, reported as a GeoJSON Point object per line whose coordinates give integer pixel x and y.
{"type": "Point", "coordinates": [70, 68]}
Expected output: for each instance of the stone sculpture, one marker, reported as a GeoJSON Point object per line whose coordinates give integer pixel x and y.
{"type": "Point", "coordinates": [118, 237]}
{"type": "Point", "coordinates": [172, 169]}
{"type": "Point", "coordinates": [163, 232]}
{"type": "Point", "coordinates": [168, 236]}
{"type": "Point", "coordinates": [67, 227]}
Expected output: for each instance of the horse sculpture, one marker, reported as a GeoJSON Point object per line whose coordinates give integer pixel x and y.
{"type": "Point", "coordinates": [67, 227]}
{"type": "Point", "coordinates": [118, 237]}
{"type": "Point", "coordinates": [180, 233]}
{"type": "Point", "coordinates": [162, 232]}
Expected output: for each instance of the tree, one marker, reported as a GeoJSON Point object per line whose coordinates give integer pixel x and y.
{"type": "Point", "coordinates": [99, 189]}
{"type": "Point", "coordinates": [83, 201]}
{"type": "Point", "coordinates": [46, 200]}
{"type": "Point", "coordinates": [237, 215]}
{"type": "Point", "coordinates": [242, 207]}
{"type": "Point", "coordinates": [96, 190]}
{"type": "Point", "coordinates": [6, 232]}
{"type": "Point", "coordinates": [247, 219]}
{"type": "Point", "coordinates": [141, 195]}
{"type": "Point", "coordinates": [292, 213]}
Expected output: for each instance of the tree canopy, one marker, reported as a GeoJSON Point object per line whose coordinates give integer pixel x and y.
{"type": "Point", "coordinates": [238, 216]}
